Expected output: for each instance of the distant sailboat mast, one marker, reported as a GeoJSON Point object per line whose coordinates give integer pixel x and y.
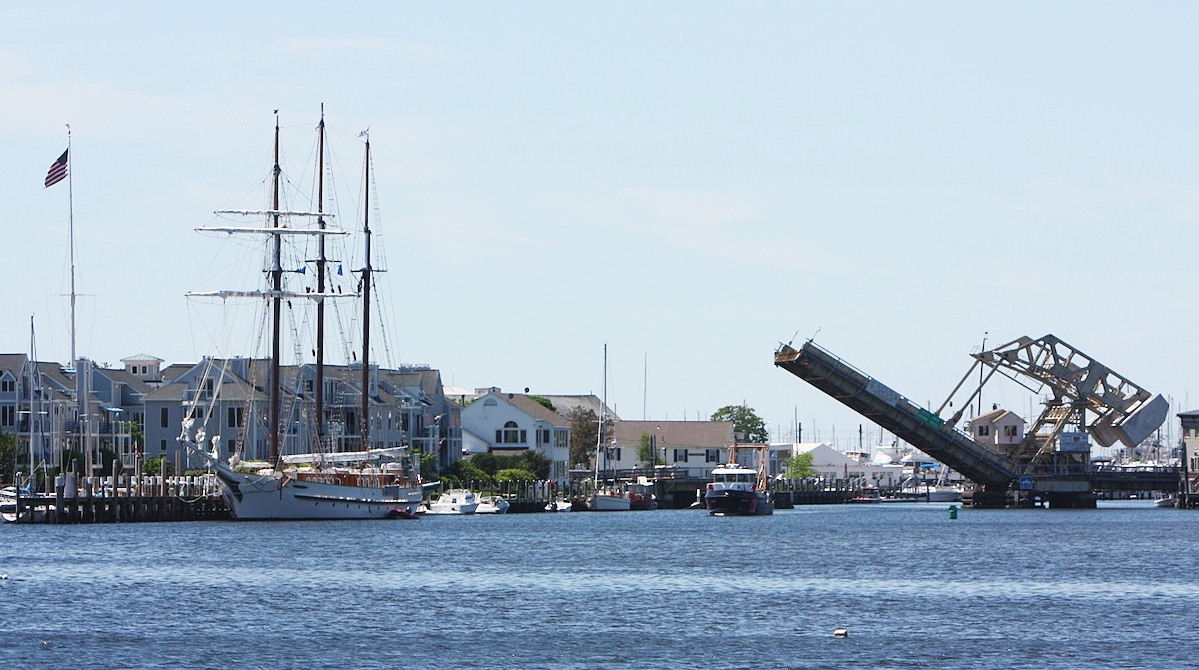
{"type": "Point", "coordinates": [273, 450]}
{"type": "Point", "coordinates": [320, 288]}
{"type": "Point", "coordinates": [364, 428]}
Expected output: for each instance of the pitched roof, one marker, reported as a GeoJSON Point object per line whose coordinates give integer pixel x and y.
{"type": "Point", "coordinates": [534, 409]}
{"type": "Point", "coordinates": [993, 416]}
{"type": "Point", "coordinates": [12, 363]}
{"type": "Point", "coordinates": [564, 404]}
{"type": "Point", "coordinates": [681, 434]}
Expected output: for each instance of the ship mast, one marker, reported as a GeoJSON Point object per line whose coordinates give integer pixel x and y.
{"type": "Point", "coordinates": [273, 450]}
{"type": "Point", "coordinates": [364, 428]}
{"type": "Point", "coordinates": [320, 288]}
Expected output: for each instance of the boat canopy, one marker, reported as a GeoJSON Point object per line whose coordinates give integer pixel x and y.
{"type": "Point", "coordinates": [344, 456]}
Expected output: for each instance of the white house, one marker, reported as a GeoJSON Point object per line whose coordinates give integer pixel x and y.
{"type": "Point", "coordinates": [832, 465]}
{"type": "Point", "coordinates": [694, 446]}
{"type": "Point", "coordinates": [510, 423]}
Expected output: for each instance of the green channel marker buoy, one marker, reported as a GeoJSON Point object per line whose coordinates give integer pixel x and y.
{"type": "Point", "coordinates": [953, 511]}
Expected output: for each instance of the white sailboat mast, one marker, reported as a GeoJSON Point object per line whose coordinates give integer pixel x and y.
{"type": "Point", "coordinates": [599, 438]}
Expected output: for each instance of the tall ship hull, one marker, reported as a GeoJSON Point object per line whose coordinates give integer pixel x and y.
{"type": "Point", "coordinates": [732, 502]}
{"type": "Point", "coordinates": [312, 495]}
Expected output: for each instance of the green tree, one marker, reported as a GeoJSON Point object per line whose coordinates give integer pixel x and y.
{"type": "Point", "coordinates": [544, 401]}
{"type": "Point", "coordinates": [515, 475]}
{"type": "Point", "coordinates": [158, 465]}
{"type": "Point", "coordinates": [584, 431]}
{"type": "Point", "coordinates": [428, 465]}
{"type": "Point", "coordinates": [108, 457]}
{"type": "Point", "coordinates": [747, 425]}
{"type": "Point", "coordinates": [646, 453]}
{"type": "Point", "coordinates": [535, 462]}
{"type": "Point", "coordinates": [8, 457]}
{"type": "Point", "coordinates": [799, 466]}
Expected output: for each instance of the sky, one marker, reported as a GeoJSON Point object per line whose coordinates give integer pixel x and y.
{"type": "Point", "coordinates": [691, 183]}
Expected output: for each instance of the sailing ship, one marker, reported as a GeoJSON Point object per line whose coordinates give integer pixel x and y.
{"type": "Point", "coordinates": [606, 494]}
{"type": "Point", "coordinates": [365, 484]}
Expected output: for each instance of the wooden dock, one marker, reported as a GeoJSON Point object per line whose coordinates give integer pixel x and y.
{"type": "Point", "coordinates": [122, 499]}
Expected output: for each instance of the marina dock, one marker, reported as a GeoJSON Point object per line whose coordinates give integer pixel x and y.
{"type": "Point", "coordinates": [121, 499]}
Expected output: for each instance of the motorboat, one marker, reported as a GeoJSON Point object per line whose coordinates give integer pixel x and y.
{"type": "Point", "coordinates": [1166, 501]}
{"type": "Point", "coordinates": [736, 491]}
{"type": "Point", "coordinates": [492, 505]}
{"type": "Point", "coordinates": [455, 501]}
{"type": "Point", "coordinates": [559, 504]}
{"type": "Point", "coordinates": [641, 495]}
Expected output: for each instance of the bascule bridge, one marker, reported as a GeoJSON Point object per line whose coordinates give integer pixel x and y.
{"type": "Point", "coordinates": [1084, 397]}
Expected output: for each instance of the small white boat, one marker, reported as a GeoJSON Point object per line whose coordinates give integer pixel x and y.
{"type": "Point", "coordinates": [492, 505]}
{"type": "Point", "coordinates": [559, 504]}
{"type": "Point", "coordinates": [455, 501]}
{"type": "Point", "coordinates": [1167, 501]}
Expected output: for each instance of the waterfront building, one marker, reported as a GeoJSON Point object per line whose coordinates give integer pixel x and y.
{"type": "Point", "coordinates": [54, 409]}
{"type": "Point", "coordinates": [510, 423]}
{"type": "Point", "coordinates": [408, 408]}
{"type": "Point", "coordinates": [693, 447]}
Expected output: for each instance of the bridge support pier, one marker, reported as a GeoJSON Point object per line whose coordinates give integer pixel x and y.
{"type": "Point", "coordinates": [1063, 500]}
{"type": "Point", "coordinates": [986, 498]}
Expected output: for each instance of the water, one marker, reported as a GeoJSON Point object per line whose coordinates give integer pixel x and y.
{"type": "Point", "coordinates": [1108, 588]}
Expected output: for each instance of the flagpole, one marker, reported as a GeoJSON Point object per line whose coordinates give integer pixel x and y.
{"type": "Point", "coordinates": [71, 237]}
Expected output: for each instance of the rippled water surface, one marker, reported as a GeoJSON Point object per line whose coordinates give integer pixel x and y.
{"type": "Point", "coordinates": [1110, 588]}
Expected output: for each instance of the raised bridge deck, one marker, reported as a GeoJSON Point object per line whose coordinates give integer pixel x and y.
{"type": "Point", "coordinates": [910, 422]}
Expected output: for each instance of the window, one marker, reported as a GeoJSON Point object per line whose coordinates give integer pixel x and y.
{"type": "Point", "coordinates": [144, 370]}
{"type": "Point", "coordinates": [1010, 431]}
{"type": "Point", "coordinates": [162, 446]}
{"type": "Point", "coordinates": [617, 453]}
{"type": "Point", "coordinates": [229, 446]}
{"type": "Point", "coordinates": [509, 434]}
{"type": "Point", "coordinates": [8, 386]}
{"type": "Point", "coordinates": [7, 415]}
{"type": "Point", "coordinates": [680, 455]}
{"type": "Point", "coordinates": [308, 385]}
{"type": "Point", "coordinates": [545, 436]}
{"type": "Point", "coordinates": [984, 431]}
{"type": "Point", "coordinates": [164, 417]}
{"type": "Point", "coordinates": [711, 455]}
{"type": "Point", "coordinates": [235, 417]}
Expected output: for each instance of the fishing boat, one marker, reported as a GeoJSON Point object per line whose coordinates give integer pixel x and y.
{"type": "Point", "coordinates": [641, 495]}
{"type": "Point", "coordinates": [606, 494]}
{"type": "Point", "coordinates": [737, 490]}
{"type": "Point", "coordinates": [371, 483]}
{"type": "Point", "coordinates": [455, 501]}
{"type": "Point", "coordinates": [559, 504]}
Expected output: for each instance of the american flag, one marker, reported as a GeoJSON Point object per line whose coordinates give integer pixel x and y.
{"type": "Point", "coordinates": [58, 170]}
